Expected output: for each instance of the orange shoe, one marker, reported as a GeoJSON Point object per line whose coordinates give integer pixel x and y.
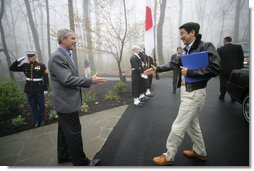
{"type": "Point", "coordinates": [161, 160]}
{"type": "Point", "coordinates": [193, 154]}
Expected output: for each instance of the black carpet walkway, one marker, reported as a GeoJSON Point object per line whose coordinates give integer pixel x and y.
{"type": "Point", "coordinates": [141, 133]}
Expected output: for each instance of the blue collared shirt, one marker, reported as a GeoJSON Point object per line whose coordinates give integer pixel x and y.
{"type": "Point", "coordinates": [68, 53]}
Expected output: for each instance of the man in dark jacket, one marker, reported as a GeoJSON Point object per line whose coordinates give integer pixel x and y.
{"type": "Point", "coordinates": [137, 76]}
{"type": "Point", "coordinates": [231, 58]}
{"type": "Point", "coordinates": [36, 84]}
{"type": "Point", "coordinates": [175, 59]}
{"type": "Point", "coordinates": [192, 96]}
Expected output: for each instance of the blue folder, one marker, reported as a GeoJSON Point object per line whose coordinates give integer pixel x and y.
{"type": "Point", "coordinates": [195, 61]}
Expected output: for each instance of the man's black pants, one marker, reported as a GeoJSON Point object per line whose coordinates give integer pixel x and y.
{"type": "Point", "coordinates": [69, 142]}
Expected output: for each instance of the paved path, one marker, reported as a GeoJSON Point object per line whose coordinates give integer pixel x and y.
{"type": "Point", "coordinates": [37, 147]}
{"type": "Point", "coordinates": [141, 133]}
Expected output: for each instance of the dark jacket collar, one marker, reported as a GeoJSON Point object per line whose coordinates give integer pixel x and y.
{"type": "Point", "coordinates": [195, 44]}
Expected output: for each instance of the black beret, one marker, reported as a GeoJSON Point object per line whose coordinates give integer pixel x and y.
{"type": "Point", "coordinates": [191, 26]}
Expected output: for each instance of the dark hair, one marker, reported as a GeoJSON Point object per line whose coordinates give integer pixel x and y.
{"type": "Point", "coordinates": [228, 39]}
{"type": "Point", "coordinates": [192, 26]}
{"type": "Point", "coordinates": [179, 48]}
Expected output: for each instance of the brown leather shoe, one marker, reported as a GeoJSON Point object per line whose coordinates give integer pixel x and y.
{"type": "Point", "coordinates": [161, 160]}
{"type": "Point", "coordinates": [193, 154]}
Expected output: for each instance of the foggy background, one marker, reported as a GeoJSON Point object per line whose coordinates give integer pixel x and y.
{"type": "Point", "coordinates": [106, 29]}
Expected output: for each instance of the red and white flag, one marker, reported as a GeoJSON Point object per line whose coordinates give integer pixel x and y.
{"type": "Point", "coordinates": [149, 34]}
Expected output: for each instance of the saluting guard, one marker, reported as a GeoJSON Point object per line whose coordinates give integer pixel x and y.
{"type": "Point", "coordinates": [36, 85]}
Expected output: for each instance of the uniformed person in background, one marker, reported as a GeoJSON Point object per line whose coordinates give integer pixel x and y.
{"type": "Point", "coordinates": [148, 61]}
{"type": "Point", "coordinates": [136, 75]}
{"type": "Point", "coordinates": [175, 58]}
{"type": "Point", "coordinates": [143, 81]}
{"type": "Point", "coordinates": [36, 85]}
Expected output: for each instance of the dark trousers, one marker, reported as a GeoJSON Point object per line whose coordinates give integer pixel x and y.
{"type": "Point", "coordinates": [69, 142]}
{"type": "Point", "coordinates": [149, 81]}
{"type": "Point", "coordinates": [224, 76]}
{"type": "Point", "coordinates": [143, 86]}
{"type": "Point", "coordinates": [135, 84]}
{"type": "Point", "coordinates": [36, 103]}
{"type": "Point", "coordinates": [175, 78]}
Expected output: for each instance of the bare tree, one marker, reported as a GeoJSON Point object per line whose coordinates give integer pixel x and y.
{"type": "Point", "coordinates": [33, 29]}
{"type": "Point", "coordinates": [30, 45]}
{"type": "Point", "coordinates": [5, 49]}
{"type": "Point", "coordinates": [180, 18]}
{"type": "Point", "coordinates": [87, 32]}
{"type": "Point", "coordinates": [116, 32]}
{"type": "Point", "coordinates": [48, 27]}
{"type": "Point", "coordinates": [13, 28]}
{"type": "Point", "coordinates": [224, 11]}
{"type": "Point", "coordinates": [72, 26]}
{"type": "Point", "coordinates": [160, 31]}
{"type": "Point", "coordinates": [238, 7]}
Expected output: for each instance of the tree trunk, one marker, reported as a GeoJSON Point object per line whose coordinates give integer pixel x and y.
{"type": "Point", "coordinates": [88, 35]}
{"type": "Point", "coordinates": [120, 70]}
{"type": "Point", "coordinates": [72, 27]}
{"type": "Point", "coordinates": [13, 30]}
{"type": "Point", "coordinates": [41, 32]}
{"type": "Point", "coordinates": [237, 18]}
{"type": "Point", "coordinates": [180, 18]}
{"type": "Point", "coordinates": [222, 28]}
{"type": "Point", "coordinates": [98, 29]}
{"type": "Point", "coordinates": [8, 58]}
{"type": "Point", "coordinates": [160, 31]}
{"type": "Point", "coordinates": [33, 29]}
{"type": "Point", "coordinates": [48, 28]}
{"type": "Point", "coordinates": [123, 42]}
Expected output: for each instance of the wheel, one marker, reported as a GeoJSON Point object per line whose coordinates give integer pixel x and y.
{"type": "Point", "coordinates": [246, 108]}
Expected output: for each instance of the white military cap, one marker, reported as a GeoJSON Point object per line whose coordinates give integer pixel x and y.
{"type": "Point", "coordinates": [31, 53]}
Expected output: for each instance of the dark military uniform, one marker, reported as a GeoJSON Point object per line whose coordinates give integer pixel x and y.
{"type": "Point", "coordinates": [143, 85]}
{"type": "Point", "coordinates": [136, 65]}
{"type": "Point", "coordinates": [148, 62]}
{"type": "Point", "coordinates": [36, 83]}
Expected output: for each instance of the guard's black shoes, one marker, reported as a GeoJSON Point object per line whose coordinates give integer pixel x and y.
{"type": "Point", "coordinates": [144, 99]}
{"type": "Point", "coordinates": [140, 104]}
{"type": "Point", "coordinates": [64, 160]}
{"type": "Point", "coordinates": [221, 98]}
{"type": "Point", "coordinates": [94, 162]}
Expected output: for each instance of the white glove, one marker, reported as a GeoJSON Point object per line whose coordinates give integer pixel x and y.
{"type": "Point", "coordinates": [21, 59]}
{"type": "Point", "coordinates": [144, 76]}
{"type": "Point", "coordinates": [45, 93]}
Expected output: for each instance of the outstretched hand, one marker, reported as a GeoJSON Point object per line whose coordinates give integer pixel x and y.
{"type": "Point", "coordinates": [184, 71]}
{"type": "Point", "coordinates": [150, 71]}
{"type": "Point", "coordinates": [98, 80]}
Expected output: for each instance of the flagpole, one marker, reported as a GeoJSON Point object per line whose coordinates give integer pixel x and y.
{"type": "Point", "coordinates": [155, 44]}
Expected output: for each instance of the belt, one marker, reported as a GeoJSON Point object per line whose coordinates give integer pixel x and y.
{"type": "Point", "coordinates": [194, 85]}
{"type": "Point", "coordinates": [34, 79]}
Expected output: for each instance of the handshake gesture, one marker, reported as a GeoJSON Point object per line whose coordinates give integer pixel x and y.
{"type": "Point", "coordinates": [98, 80]}
{"type": "Point", "coordinates": [150, 71]}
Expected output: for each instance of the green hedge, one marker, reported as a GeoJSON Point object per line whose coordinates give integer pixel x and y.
{"type": "Point", "coordinates": [12, 97]}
